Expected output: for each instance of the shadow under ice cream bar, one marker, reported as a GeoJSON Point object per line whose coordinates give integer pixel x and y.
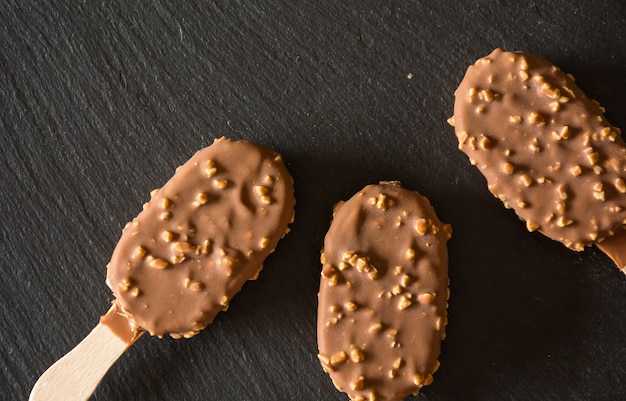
{"type": "Point", "coordinates": [383, 293]}
{"type": "Point", "coordinates": [545, 148]}
{"type": "Point", "coordinates": [180, 261]}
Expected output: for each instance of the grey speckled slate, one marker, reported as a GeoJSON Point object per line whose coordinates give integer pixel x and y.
{"type": "Point", "coordinates": [100, 101]}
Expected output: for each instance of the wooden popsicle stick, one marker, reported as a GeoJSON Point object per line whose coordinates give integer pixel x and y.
{"type": "Point", "coordinates": [615, 248]}
{"type": "Point", "coordinates": [76, 375]}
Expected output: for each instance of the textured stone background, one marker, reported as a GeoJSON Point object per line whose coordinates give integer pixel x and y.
{"type": "Point", "coordinates": [100, 101]}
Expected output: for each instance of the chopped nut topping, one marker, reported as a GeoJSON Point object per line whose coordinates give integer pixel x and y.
{"type": "Point", "coordinates": [462, 137]}
{"type": "Point", "coordinates": [196, 286]}
{"type": "Point", "coordinates": [165, 203]}
{"type": "Point", "coordinates": [204, 248]}
{"type": "Point", "coordinates": [526, 180]}
{"type": "Point", "coordinates": [266, 200]}
{"type": "Point", "coordinates": [576, 171]}
{"type": "Point", "coordinates": [515, 119]}
{"type": "Point", "coordinates": [593, 157]}
{"type": "Point", "coordinates": [139, 253]}
{"type": "Point", "coordinates": [563, 133]}
{"type": "Point", "coordinates": [531, 225]}
{"type": "Point", "coordinates": [202, 198]}
{"type": "Point", "coordinates": [351, 306]}
{"type": "Point", "coordinates": [534, 146]}
{"type": "Point", "coordinates": [356, 355]}
{"type": "Point", "coordinates": [396, 290]}
{"type": "Point", "coordinates": [555, 106]}
{"type": "Point", "coordinates": [220, 184]}
{"type": "Point", "coordinates": [261, 190]}
{"type": "Point", "coordinates": [421, 226]}
{"type": "Point", "coordinates": [338, 358]}
{"type": "Point", "coordinates": [507, 168]}
{"type": "Point", "coordinates": [357, 384]}
{"type": "Point", "coordinates": [375, 328]}
{"type": "Point", "coordinates": [535, 118]}
{"type": "Point", "coordinates": [381, 202]}
{"type": "Point", "coordinates": [404, 303]}
{"type": "Point", "coordinates": [485, 143]}
{"type": "Point", "coordinates": [523, 64]}
{"type": "Point", "coordinates": [176, 259]}
{"type": "Point", "coordinates": [158, 263]}
{"type": "Point", "coordinates": [184, 247]}
{"type": "Point", "coordinates": [418, 379]}
{"type": "Point", "coordinates": [472, 143]}
{"type": "Point", "coordinates": [620, 185]}
{"type": "Point", "coordinates": [550, 91]}
{"type": "Point", "coordinates": [599, 195]}
{"type": "Point", "coordinates": [361, 263]}
{"type": "Point", "coordinates": [167, 236]}
{"type": "Point", "coordinates": [397, 363]}
{"type": "Point", "coordinates": [264, 242]}
{"type": "Point", "coordinates": [325, 361]}
{"type": "Point", "coordinates": [165, 215]}
{"type": "Point", "coordinates": [347, 255]}
{"type": "Point", "coordinates": [486, 95]}
{"type": "Point", "coordinates": [564, 221]}
{"type": "Point", "coordinates": [126, 284]}
{"type": "Point", "coordinates": [450, 121]}
{"type": "Point", "coordinates": [426, 298]}
{"type": "Point", "coordinates": [210, 169]}
{"type": "Point", "coordinates": [410, 253]}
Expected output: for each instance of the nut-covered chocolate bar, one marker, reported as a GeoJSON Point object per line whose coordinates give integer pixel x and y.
{"type": "Point", "coordinates": [200, 237]}
{"type": "Point", "coordinates": [383, 293]}
{"type": "Point", "coordinates": [545, 148]}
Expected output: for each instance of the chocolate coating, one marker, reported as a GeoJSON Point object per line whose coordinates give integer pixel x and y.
{"type": "Point", "coordinates": [200, 237]}
{"type": "Point", "coordinates": [383, 293]}
{"type": "Point", "coordinates": [545, 148]}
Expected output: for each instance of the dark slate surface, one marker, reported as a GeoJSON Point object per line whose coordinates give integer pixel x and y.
{"type": "Point", "coordinates": [100, 101]}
